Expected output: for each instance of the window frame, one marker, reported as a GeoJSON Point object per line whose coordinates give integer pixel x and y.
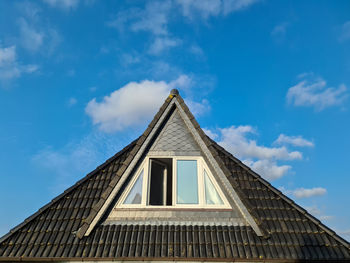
{"type": "Point", "coordinates": [201, 166]}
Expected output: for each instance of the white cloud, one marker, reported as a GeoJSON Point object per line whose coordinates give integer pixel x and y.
{"type": "Point", "coordinates": [197, 50]}
{"type": "Point", "coordinates": [268, 168]}
{"type": "Point", "coordinates": [210, 133]}
{"type": "Point", "coordinates": [129, 59]}
{"type": "Point", "coordinates": [161, 44]}
{"type": "Point", "coordinates": [230, 6]}
{"type": "Point", "coordinates": [317, 213]}
{"type": "Point", "coordinates": [131, 105]}
{"type": "Point", "coordinates": [235, 140]}
{"type": "Point", "coordinates": [313, 92]}
{"type": "Point", "coordinates": [207, 8]}
{"type": "Point", "coordinates": [262, 159]}
{"type": "Point", "coordinates": [294, 140]}
{"type": "Point", "coordinates": [10, 68]}
{"type": "Point", "coordinates": [345, 32]}
{"type": "Point", "coordinates": [345, 234]}
{"type": "Point", "coordinates": [34, 34]}
{"type": "Point", "coordinates": [280, 29]}
{"type": "Point", "coordinates": [63, 4]}
{"type": "Point", "coordinates": [305, 193]}
{"type": "Point", "coordinates": [31, 39]}
{"type": "Point", "coordinates": [73, 160]}
{"type": "Point", "coordinates": [72, 101]}
{"type": "Point", "coordinates": [198, 108]}
{"type": "Point", "coordinates": [153, 19]}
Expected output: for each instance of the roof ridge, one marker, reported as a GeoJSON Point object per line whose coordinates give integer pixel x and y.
{"type": "Point", "coordinates": [284, 197]}
{"type": "Point", "coordinates": [65, 192]}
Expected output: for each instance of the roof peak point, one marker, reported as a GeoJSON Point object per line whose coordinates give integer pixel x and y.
{"type": "Point", "coordinates": [174, 92]}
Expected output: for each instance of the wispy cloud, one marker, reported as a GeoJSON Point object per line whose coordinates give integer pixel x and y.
{"type": "Point", "coordinates": [312, 91]}
{"type": "Point", "coordinates": [345, 32]}
{"type": "Point", "coordinates": [153, 19]}
{"type": "Point", "coordinates": [236, 140]}
{"type": "Point", "coordinates": [294, 140]}
{"type": "Point", "coordinates": [305, 192]}
{"type": "Point", "coordinates": [205, 8]}
{"type": "Point", "coordinates": [230, 6]}
{"type": "Point", "coordinates": [262, 159]}
{"type": "Point", "coordinates": [317, 213]}
{"type": "Point", "coordinates": [34, 34]}
{"type": "Point", "coordinates": [280, 30]}
{"type": "Point", "coordinates": [345, 234]}
{"type": "Point", "coordinates": [63, 4]}
{"type": "Point", "coordinates": [208, 8]}
{"type": "Point", "coordinates": [71, 102]}
{"type": "Point", "coordinates": [269, 169]}
{"type": "Point", "coordinates": [10, 68]}
{"type": "Point", "coordinates": [72, 161]}
{"type": "Point", "coordinates": [197, 50]}
{"type": "Point", "coordinates": [132, 104]}
{"type": "Point", "coordinates": [163, 43]}
{"type": "Point", "coordinates": [31, 38]}
{"type": "Point", "coordinates": [198, 108]}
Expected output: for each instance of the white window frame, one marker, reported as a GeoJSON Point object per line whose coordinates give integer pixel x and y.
{"type": "Point", "coordinates": [201, 166]}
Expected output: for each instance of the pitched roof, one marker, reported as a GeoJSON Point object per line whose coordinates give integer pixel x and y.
{"type": "Point", "coordinates": [289, 231]}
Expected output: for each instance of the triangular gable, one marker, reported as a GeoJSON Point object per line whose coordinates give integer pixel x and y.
{"type": "Point", "coordinates": [294, 234]}
{"type": "Point", "coordinates": [174, 102]}
{"type": "Point", "coordinates": [175, 138]}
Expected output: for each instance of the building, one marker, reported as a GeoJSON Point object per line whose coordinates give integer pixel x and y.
{"type": "Point", "coordinates": [173, 195]}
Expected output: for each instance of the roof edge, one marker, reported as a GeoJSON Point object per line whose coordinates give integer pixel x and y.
{"type": "Point", "coordinates": [285, 198]}
{"type": "Point", "coordinates": [67, 191]}
{"type": "Point", "coordinates": [100, 207]}
{"type": "Point", "coordinates": [165, 259]}
{"type": "Point", "coordinates": [250, 214]}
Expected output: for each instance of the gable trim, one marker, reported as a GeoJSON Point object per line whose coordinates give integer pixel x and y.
{"type": "Point", "coordinates": [112, 190]}
{"type": "Point", "coordinates": [228, 187]}
{"type": "Point", "coordinates": [86, 229]}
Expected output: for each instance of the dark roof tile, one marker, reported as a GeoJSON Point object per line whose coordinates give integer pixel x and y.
{"type": "Point", "coordinates": [50, 232]}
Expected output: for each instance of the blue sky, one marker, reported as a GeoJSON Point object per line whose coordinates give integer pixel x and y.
{"type": "Point", "coordinates": [268, 80]}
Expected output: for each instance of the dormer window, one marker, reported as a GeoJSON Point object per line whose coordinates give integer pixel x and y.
{"type": "Point", "coordinates": [181, 181]}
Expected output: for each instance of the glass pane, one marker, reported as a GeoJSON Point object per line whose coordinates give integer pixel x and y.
{"type": "Point", "coordinates": [187, 182]}
{"type": "Point", "coordinates": [135, 194]}
{"type": "Point", "coordinates": [211, 195]}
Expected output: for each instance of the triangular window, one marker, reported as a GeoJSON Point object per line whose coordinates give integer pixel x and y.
{"type": "Point", "coordinates": [135, 195]}
{"type": "Point", "coordinates": [212, 196]}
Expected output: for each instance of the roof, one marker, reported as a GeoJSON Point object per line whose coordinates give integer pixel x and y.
{"type": "Point", "coordinates": [289, 231]}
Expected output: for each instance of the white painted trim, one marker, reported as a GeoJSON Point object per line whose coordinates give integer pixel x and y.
{"type": "Point", "coordinates": [219, 171]}
{"type": "Point", "coordinates": [127, 190]}
{"type": "Point", "coordinates": [129, 169]}
{"type": "Point", "coordinates": [201, 165]}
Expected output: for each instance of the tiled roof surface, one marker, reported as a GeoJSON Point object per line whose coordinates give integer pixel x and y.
{"type": "Point", "coordinates": [291, 233]}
